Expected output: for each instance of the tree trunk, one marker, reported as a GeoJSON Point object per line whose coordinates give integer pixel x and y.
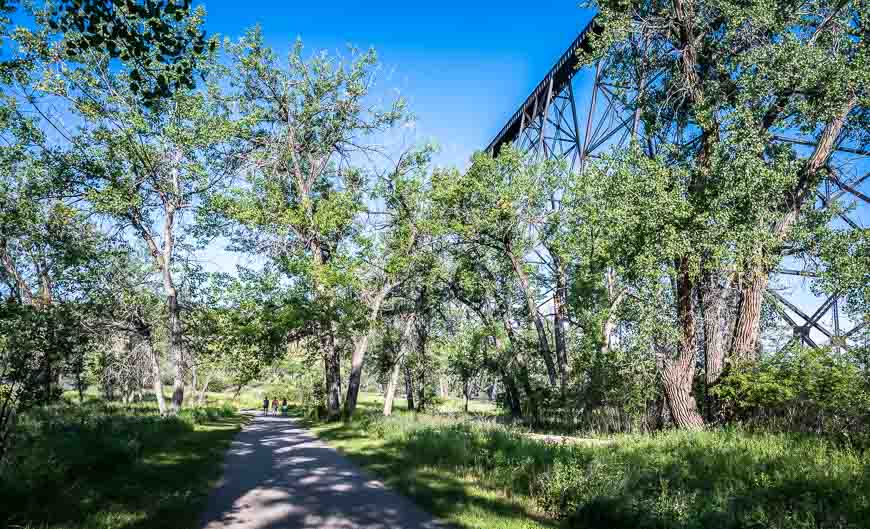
{"type": "Point", "coordinates": [409, 388]}
{"type": "Point", "coordinates": [614, 297]}
{"type": "Point", "coordinates": [157, 381]}
{"type": "Point", "coordinates": [748, 326]}
{"type": "Point", "coordinates": [713, 295]}
{"type": "Point", "coordinates": [355, 379]}
{"type": "Point", "coordinates": [332, 367]}
{"type": "Point", "coordinates": [22, 290]}
{"type": "Point", "coordinates": [331, 356]}
{"type": "Point", "coordinates": [678, 373]}
{"type": "Point", "coordinates": [531, 305]}
{"type": "Point", "coordinates": [512, 395]}
{"type": "Point", "coordinates": [200, 400]}
{"type": "Point", "coordinates": [747, 329]}
{"type": "Point", "coordinates": [713, 309]}
{"type": "Point", "coordinates": [560, 320]}
{"type": "Point", "coordinates": [390, 394]}
{"type": "Point", "coordinates": [359, 352]}
{"type": "Point", "coordinates": [175, 351]}
{"type": "Point", "coordinates": [465, 393]}
{"type": "Point", "coordinates": [677, 377]}
{"type": "Point", "coordinates": [532, 401]}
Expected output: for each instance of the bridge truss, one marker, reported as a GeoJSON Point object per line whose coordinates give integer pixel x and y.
{"type": "Point", "coordinates": [577, 113]}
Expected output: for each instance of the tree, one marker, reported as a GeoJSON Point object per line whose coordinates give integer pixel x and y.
{"type": "Point", "coordinates": [151, 36]}
{"type": "Point", "coordinates": [721, 83]}
{"type": "Point", "coordinates": [239, 326]}
{"type": "Point", "coordinates": [47, 254]}
{"type": "Point", "coordinates": [494, 205]}
{"type": "Point", "coordinates": [466, 357]}
{"type": "Point", "coordinates": [145, 167]}
{"type": "Point", "coordinates": [396, 248]}
{"type": "Point", "coordinates": [308, 125]}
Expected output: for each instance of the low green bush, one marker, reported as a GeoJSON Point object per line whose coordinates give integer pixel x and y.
{"type": "Point", "coordinates": [205, 414]}
{"type": "Point", "coordinates": [799, 390]}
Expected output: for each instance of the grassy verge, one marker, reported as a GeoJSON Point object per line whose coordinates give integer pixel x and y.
{"type": "Point", "coordinates": [110, 467]}
{"type": "Point", "coordinates": [412, 465]}
{"type": "Point", "coordinates": [487, 476]}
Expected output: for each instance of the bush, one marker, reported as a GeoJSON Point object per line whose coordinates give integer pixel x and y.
{"type": "Point", "coordinates": [205, 414]}
{"type": "Point", "coordinates": [799, 390]}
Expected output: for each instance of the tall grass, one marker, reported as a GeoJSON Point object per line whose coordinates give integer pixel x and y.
{"type": "Point", "coordinates": [110, 465]}
{"type": "Point", "coordinates": [726, 479]}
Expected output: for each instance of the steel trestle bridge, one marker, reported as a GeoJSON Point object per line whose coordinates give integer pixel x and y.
{"type": "Point", "coordinates": [553, 122]}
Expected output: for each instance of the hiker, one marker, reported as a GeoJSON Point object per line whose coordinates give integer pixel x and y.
{"type": "Point", "coordinates": [265, 405]}
{"type": "Point", "coordinates": [275, 405]}
{"type": "Point", "coordinates": [284, 407]}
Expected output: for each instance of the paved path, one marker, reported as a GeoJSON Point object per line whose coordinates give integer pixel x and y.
{"type": "Point", "coordinates": [277, 475]}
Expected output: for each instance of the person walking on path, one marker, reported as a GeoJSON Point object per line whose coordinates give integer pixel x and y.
{"type": "Point", "coordinates": [275, 405]}
{"type": "Point", "coordinates": [284, 407]}
{"type": "Point", "coordinates": [265, 405]}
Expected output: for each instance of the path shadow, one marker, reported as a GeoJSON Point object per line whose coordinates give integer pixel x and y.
{"type": "Point", "coordinates": [278, 475]}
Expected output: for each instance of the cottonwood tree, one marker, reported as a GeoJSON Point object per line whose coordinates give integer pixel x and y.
{"type": "Point", "coordinates": [310, 124]}
{"type": "Point", "coordinates": [147, 167]}
{"type": "Point", "coordinates": [466, 357]}
{"type": "Point", "coordinates": [131, 309]}
{"type": "Point", "coordinates": [721, 82]}
{"type": "Point", "coordinates": [494, 204]}
{"type": "Point", "coordinates": [241, 325]}
{"type": "Point", "coordinates": [47, 249]}
{"type": "Point", "coordinates": [482, 282]}
{"type": "Point", "coordinates": [396, 248]}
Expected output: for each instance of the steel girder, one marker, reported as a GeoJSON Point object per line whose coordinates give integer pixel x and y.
{"type": "Point", "coordinates": [553, 122]}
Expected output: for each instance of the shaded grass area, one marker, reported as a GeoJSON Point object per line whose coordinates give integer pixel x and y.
{"type": "Point", "coordinates": [722, 479]}
{"type": "Point", "coordinates": [113, 467]}
{"type": "Point", "coordinates": [434, 476]}
{"type": "Point", "coordinates": [443, 490]}
{"type": "Point", "coordinates": [489, 476]}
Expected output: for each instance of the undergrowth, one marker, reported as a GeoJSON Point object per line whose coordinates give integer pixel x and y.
{"type": "Point", "coordinates": [112, 466]}
{"type": "Point", "coordinates": [728, 479]}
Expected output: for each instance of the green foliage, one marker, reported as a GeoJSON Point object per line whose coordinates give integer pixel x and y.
{"type": "Point", "coordinates": [715, 479]}
{"type": "Point", "coordinates": [466, 355]}
{"type": "Point", "coordinates": [800, 389]}
{"type": "Point", "coordinates": [618, 391]}
{"type": "Point", "coordinates": [161, 40]}
{"type": "Point", "coordinates": [679, 480]}
{"type": "Point", "coordinates": [37, 345]}
{"type": "Point", "coordinates": [106, 466]}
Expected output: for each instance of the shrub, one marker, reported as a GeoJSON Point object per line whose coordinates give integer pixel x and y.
{"type": "Point", "coordinates": [204, 414]}
{"type": "Point", "coordinates": [799, 390]}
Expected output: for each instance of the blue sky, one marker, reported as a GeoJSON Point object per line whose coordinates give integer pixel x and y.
{"type": "Point", "coordinates": [464, 67]}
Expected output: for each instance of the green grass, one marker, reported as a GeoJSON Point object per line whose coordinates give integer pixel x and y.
{"type": "Point", "coordinates": [114, 467]}
{"type": "Point", "coordinates": [248, 399]}
{"type": "Point", "coordinates": [391, 449]}
{"type": "Point", "coordinates": [482, 475]}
